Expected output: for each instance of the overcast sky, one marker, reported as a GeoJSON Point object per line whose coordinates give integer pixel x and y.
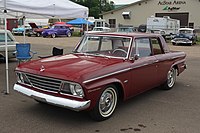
{"type": "Point", "coordinates": [123, 1]}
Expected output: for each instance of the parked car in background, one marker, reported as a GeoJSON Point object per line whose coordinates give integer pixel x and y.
{"type": "Point", "coordinates": [185, 36]}
{"type": "Point", "coordinates": [36, 30]}
{"type": "Point", "coordinates": [103, 69]}
{"type": "Point", "coordinates": [100, 29]}
{"type": "Point", "coordinates": [20, 30]}
{"type": "Point", "coordinates": [126, 29]}
{"type": "Point", "coordinates": [57, 30]}
{"type": "Point", "coordinates": [11, 44]}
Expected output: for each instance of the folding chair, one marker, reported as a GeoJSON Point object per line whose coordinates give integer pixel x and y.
{"type": "Point", "coordinates": [23, 52]}
{"type": "Point", "coordinates": [55, 51]}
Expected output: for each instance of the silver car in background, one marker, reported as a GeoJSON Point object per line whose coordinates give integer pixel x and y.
{"type": "Point", "coordinates": [11, 44]}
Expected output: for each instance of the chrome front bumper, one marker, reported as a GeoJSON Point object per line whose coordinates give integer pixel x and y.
{"type": "Point", "coordinates": [66, 103]}
{"type": "Point", "coordinates": [177, 41]}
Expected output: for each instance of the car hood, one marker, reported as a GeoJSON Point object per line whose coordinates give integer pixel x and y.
{"type": "Point", "coordinates": [68, 67]}
{"type": "Point", "coordinates": [33, 25]}
{"type": "Point", "coordinates": [18, 29]}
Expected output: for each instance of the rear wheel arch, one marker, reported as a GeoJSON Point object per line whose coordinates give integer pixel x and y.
{"type": "Point", "coordinates": [175, 66]}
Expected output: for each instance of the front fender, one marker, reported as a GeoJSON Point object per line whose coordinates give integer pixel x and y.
{"type": "Point", "coordinates": [94, 89]}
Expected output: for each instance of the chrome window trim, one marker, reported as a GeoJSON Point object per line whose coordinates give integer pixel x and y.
{"type": "Point", "coordinates": [106, 75]}
{"type": "Point", "coordinates": [128, 52]}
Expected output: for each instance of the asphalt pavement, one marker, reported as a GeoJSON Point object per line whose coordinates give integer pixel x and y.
{"type": "Point", "coordinates": [155, 111]}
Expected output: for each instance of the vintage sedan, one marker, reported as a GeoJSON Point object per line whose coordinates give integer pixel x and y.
{"type": "Point", "coordinates": [57, 30]}
{"type": "Point", "coordinates": [185, 36]}
{"type": "Point", "coordinates": [103, 69]}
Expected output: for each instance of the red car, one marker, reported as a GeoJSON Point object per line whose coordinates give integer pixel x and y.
{"type": "Point", "coordinates": [103, 69]}
{"type": "Point", "coordinates": [36, 30]}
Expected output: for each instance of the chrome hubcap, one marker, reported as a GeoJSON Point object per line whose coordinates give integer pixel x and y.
{"type": "Point", "coordinates": [107, 102]}
{"type": "Point", "coordinates": [171, 77]}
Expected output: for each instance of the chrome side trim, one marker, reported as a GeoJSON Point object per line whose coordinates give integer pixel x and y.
{"type": "Point", "coordinates": [106, 75]}
{"type": "Point", "coordinates": [58, 101]}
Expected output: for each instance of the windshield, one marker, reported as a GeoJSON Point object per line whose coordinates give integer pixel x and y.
{"type": "Point", "coordinates": [104, 46]}
{"type": "Point", "coordinates": [186, 31]}
{"type": "Point", "coordinates": [2, 38]}
{"type": "Point", "coordinates": [98, 29]}
{"type": "Point", "coordinates": [125, 30]}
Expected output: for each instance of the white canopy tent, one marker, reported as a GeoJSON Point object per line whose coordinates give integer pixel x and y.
{"type": "Point", "coordinates": [39, 9]}
{"type": "Point", "coordinates": [45, 8]}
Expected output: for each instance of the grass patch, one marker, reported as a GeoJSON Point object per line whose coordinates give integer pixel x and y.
{"type": "Point", "coordinates": [198, 40]}
{"type": "Point", "coordinates": [76, 34]}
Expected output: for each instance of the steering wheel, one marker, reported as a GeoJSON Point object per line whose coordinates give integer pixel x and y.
{"type": "Point", "coordinates": [119, 53]}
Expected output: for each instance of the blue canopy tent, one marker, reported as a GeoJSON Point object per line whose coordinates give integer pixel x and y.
{"type": "Point", "coordinates": [79, 21]}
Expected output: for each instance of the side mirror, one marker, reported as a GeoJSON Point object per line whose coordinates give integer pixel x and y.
{"type": "Point", "coordinates": [135, 57]}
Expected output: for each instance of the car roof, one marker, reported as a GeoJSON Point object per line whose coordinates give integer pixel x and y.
{"type": "Point", "coordinates": [101, 27]}
{"type": "Point", "coordinates": [125, 27]}
{"type": "Point", "coordinates": [185, 29]}
{"type": "Point", "coordinates": [3, 31]}
{"type": "Point", "coordinates": [127, 34]}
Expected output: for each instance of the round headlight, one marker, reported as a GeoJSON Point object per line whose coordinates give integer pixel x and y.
{"type": "Point", "coordinates": [20, 78]}
{"type": "Point", "coordinates": [76, 90]}
{"type": "Point", "coordinates": [79, 90]}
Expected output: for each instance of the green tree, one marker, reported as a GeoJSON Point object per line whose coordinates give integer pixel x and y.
{"type": "Point", "coordinates": [96, 7]}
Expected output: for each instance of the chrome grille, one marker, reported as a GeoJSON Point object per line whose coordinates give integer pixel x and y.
{"type": "Point", "coordinates": [180, 39]}
{"type": "Point", "coordinates": [44, 83]}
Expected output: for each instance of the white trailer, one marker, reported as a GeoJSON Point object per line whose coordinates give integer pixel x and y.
{"type": "Point", "coordinates": [163, 25]}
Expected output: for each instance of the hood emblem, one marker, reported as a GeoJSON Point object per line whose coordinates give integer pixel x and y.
{"type": "Point", "coordinates": [42, 69]}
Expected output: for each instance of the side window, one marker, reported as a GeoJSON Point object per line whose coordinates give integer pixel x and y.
{"type": "Point", "coordinates": [156, 46]}
{"type": "Point", "coordinates": [2, 37]}
{"type": "Point", "coordinates": [143, 47]}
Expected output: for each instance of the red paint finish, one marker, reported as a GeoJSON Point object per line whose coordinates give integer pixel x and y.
{"type": "Point", "coordinates": [93, 73]}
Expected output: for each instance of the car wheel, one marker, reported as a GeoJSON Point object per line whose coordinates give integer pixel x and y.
{"type": "Point", "coordinates": [38, 34]}
{"type": "Point", "coordinates": [106, 104]}
{"type": "Point", "coordinates": [2, 58]}
{"type": "Point", "coordinates": [69, 34]}
{"type": "Point", "coordinates": [190, 44]}
{"type": "Point", "coordinates": [171, 79]}
{"type": "Point", "coordinates": [53, 35]}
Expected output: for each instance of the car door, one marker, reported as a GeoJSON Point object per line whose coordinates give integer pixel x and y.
{"type": "Point", "coordinates": [143, 69]}
{"type": "Point", "coordinates": [163, 60]}
{"type": "Point", "coordinates": [58, 30]}
{"type": "Point", "coordinates": [62, 30]}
